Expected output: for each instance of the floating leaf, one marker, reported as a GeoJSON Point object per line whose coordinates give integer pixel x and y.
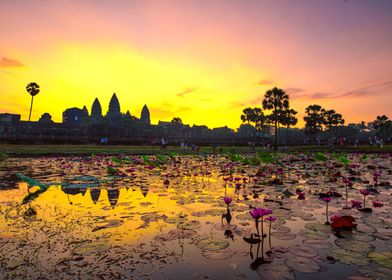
{"type": "Point", "coordinates": [348, 257]}
{"type": "Point", "coordinates": [92, 247]}
{"type": "Point", "coordinates": [275, 271]}
{"type": "Point", "coordinates": [383, 258]}
{"type": "Point", "coordinates": [317, 243]}
{"type": "Point", "coordinates": [209, 244]}
{"type": "Point", "coordinates": [218, 255]}
{"type": "Point", "coordinates": [302, 264]}
{"type": "Point", "coordinates": [303, 251]}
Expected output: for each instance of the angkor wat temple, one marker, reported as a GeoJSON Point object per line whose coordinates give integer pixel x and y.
{"type": "Point", "coordinates": [79, 126]}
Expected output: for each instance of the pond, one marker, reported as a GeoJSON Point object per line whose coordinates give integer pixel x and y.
{"type": "Point", "coordinates": [195, 217]}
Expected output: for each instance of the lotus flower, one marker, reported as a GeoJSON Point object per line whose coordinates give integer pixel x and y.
{"type": "Point", "coordinates": [301, 195]}
{"type": "Point", "coordinates": [327, 200]}
{"type": "Point", "coordinates": [364, 192]}
{"type": "Point", "coordinates": [271, 218]}
{"type": "Point", "coordinates": [356, 204]}
{"type": "Point", "coordinates": [377, 204]}
{"type": "Point", "coordinates": [228, 200]}
{"type": "Point", "coordinates": [257, 213]}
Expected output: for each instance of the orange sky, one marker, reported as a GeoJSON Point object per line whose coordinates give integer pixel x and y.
{"type": "Point", "coordinates": [203, 61]}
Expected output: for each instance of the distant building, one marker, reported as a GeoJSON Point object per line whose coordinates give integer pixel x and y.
{"type": "Point", "coordinates": [46, 118]}
{"type": "Point", "coordinates": [9, 118]}
{"type": "Point", "coordinates": [114, 112]}
{"type": "Point", "coordinates": [145, 115]}
{"type": "Point", "coordinates": [96, 111]}
{"type": "Point", "coordinates": [74, 116]}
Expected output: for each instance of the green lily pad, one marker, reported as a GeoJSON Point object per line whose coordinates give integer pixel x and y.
{"type": "Point", "coordinates": [189, 225]}
{"type": "Point", "coordinates": [303, 251]}
{"type": "Point", "coordinates": [317, 227]}
{"type": "Point", "coordinates": [317, 243]}
{"type": "Point", "coordinates": [273, 271]}
{"type": "Point", "coordinates": [313, 234]}
{"type": "Point", "coordinates": [349, 257]}
{"type": "Point", "coordinates": [284, 236]}
{"type": "Point", "coordinates": [91, 247]}
{"type": "Point", "coordinates": [301, 264]}
{"type": "Point", "coordinates": [218, 255]}
{"type": "Point", "coordinates": [355, 246]}
{"type": "Point", "coordinates": [383, 258]}
{"type": "Point", "coordinates": [209, 244]}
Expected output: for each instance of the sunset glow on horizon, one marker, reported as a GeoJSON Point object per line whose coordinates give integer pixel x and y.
{"type": "Point", "coordinates": [202, 61]}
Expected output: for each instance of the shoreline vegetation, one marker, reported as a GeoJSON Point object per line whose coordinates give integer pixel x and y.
{"type": "Point", "coordinates": [13, 150]}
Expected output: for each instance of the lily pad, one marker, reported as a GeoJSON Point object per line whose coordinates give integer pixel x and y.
{"type": "Point", "coordinates": [317, 243]}
{"type": "Point", "coordinates": [383, 258]}
{"type": "Point", "coordinates": [348, 257]}
{"type": "Point", "coordinates": [91, 247]}
{"type": "Point", "coordinates": [284, 236]}
{"type": "Point", "coordinates": [303, 251]}
{"type": "Point", "coordinates": [355, 246]}
{"type": "Point", "coordinates": [218, 255]}
{"type": "Point", "coordinates": [313, 234]}
{"type": "Point", "coordinates": [209, 244]}
{"type": "Point", "coordinates": [189, 225]}
{"type": "Point", "coordinates": [272, 271]}
{"type": "Point", "coordinates": [302, 264]}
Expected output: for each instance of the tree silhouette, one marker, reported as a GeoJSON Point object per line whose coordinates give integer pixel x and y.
{"type": "Point", "coordinates": [332, 120]}
{"type": "Point", "coordinates": [289, 119]}
{"type": "Point", "coordinates": [314, 119]}
{"type": "Point", "coordinates": [255, 116]}
{"type": "Point", "coordinates": [276, 100]}
{"type": "Point", "coordinates": [33, 90]}
{"type": "Point", "coordinates": [176, 121]}
{"type": "Point", "coordinates": [383, 124]}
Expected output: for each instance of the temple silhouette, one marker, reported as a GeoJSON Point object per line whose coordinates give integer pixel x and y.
{"type": "Point", "coordinates": [79, 126]}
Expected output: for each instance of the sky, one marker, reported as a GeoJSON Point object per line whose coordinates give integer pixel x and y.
{"type": "Point", "coordinates": [202, 61]}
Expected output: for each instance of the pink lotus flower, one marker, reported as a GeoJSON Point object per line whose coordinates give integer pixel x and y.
{"type": "Point", "coordinates": [364, 192]}
{"type": "Point", "coordinates": [257, 213]}
{"type": "Point", "coordinates": [335, 218]}
{"type": "Point", "coordinates": [346, 181]}
{"type": "Point", "coordinates": [271, 218]}
{"type": "Point", "coordinates": [377, 173]}
{"type": "Point", "coordinates": [227, 200]}
{"type": "Point", "coordinates": [301, 195]}
{"type": "Point", "coordinates": [377, 204]}
{"type": "Point", "coordinates": [327, 199]}
{"type": "Point", "coordinates": [356, 204]}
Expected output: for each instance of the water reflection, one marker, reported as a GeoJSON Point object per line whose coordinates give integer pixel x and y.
{"type": "Point", "coordinates": [189, 215]}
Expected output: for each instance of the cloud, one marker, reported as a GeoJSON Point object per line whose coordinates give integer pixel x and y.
{"type": "Point", "coordinates": [294, 90]}
{"type": "Point", "coordinates": [183, 109]}
{"type": "Point", "coordinates": [319, 95]}
{"type": "Point", "coordinates": [158, 113]}
{"type": "Point", "coordinates": [9, 62]}
{"type": "Point", "coordinates": [186, 91]}
{"type": "Point", "coordinates": [373, 87]}
{"type": "Point", "coordinates": [264, 82]}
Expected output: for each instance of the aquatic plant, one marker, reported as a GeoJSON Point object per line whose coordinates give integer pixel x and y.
{"type": "Point", "coordinates": [365, 193]}
{"type": "Point", "coordinates": [356, 204]}
{"type": "Point", "coordinates": [327, 200]}
{"type": "Point", "coordinates": [377, 204]}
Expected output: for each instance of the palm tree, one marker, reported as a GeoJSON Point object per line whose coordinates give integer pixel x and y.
{"type": "Point", "coordinates": [256, 116]}
{"type": "Point", "coordinates": [276, 100]}
{"type": "Point", "coordinates": [314, 119]}
{"type": "Point", "coordinates": [383, 124]}
{"type": "Point", "coordinates": [332, 120]}
{"type": "Point", "coordinates": [289, 119]}
{"type": "Point", "coordinates": [33, 89]}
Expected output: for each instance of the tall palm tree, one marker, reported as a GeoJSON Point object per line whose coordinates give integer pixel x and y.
{"type": "Point", "coordinates": [289, 119]}
{"type": "Point", "coordinates": [33, 89]}
{"type": "Point", "coordinates": [276, 100]}
{"type": "Point", "coordinates": [314, 119]}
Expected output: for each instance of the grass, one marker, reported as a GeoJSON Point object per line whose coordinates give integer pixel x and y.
{"type": "Point", "coordinates": [9, 150]}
